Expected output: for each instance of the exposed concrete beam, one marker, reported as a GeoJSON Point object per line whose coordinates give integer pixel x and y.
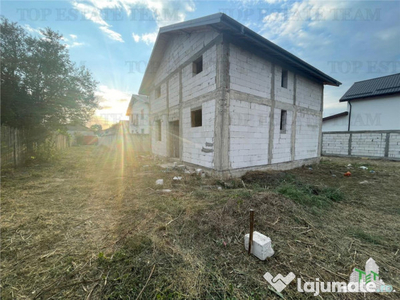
{"type": "Point", "coordinates": [221, 125]}
{"type": "Point", "coordinates": [294, 119]}
{"type": "Point", "coordinates": [271, 116]}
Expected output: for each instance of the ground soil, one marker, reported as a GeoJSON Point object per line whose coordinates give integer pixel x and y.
{"type": "Point", "coordinates": [93, 225]}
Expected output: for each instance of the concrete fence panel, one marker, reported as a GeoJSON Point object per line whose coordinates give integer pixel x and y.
{"type": "Point", "coordinates": [379, 144]}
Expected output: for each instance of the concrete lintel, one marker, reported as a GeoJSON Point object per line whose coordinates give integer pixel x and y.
{"type": "Point", "coordinates": [240, 96]}
{"type": "Point", "coordinates": [197, 101]}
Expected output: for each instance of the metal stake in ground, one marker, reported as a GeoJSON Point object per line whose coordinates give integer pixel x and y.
{"type": "Point", "coordinates": [251, 229]}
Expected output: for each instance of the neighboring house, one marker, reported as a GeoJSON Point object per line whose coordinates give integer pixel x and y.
{"type": "Point", "coordinates": [337, 122]}
{"type": "Point", "coordinates": [138, 112]}
{"type": "Point", "coordinates": [78, 130]}
{"type": "Point", "coordinates": [224, 98]}
{"type": "Point", "coordinates": [372, 104]}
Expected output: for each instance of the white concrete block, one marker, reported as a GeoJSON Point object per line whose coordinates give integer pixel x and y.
{"type": "Point", "coordinates": [261, 247]}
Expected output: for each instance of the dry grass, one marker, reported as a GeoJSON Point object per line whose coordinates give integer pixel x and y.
{"type": "Point", "coordinates": [94, 225]}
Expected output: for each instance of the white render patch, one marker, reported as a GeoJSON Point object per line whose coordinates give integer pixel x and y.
{"type": "Point", "coordinates": [249, 134]}
{"type": "Point", "coordinates": [261, 247]}
{"type": "Point", "coordinates": [195, 138]}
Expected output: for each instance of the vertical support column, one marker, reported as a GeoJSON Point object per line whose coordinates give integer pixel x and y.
{"type": "Point", "coordinates": [221, 125]}
{"type": "Point", "coordinates": [387, 144]}
{"type": "Point", "coordinates": [168, 135]}
{"type": "Point", "coordinates": [294, 117]}
{"type": "Point", "coordinates": [350, 142]}
{"type": "Point", "coordinates": [320, 123]}
{"type": "Point", "coordinates": [271, 116]}
{"type": "Point", "coordinates": [180, 117]}
{"type": "Point", "coordinates": [150, 122]}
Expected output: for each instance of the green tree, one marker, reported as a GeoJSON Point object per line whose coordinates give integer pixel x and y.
{"type": "Point", "coordinates": [96, 128]}
{"type": "Point", "coordinates": [42, 90]}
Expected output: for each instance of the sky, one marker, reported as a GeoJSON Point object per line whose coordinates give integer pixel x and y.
{"type": "Point", "coordinates": [348, 40]}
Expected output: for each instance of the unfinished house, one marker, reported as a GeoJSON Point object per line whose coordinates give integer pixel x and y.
{"type": "Point", "coordinates": [138, 113]}
{"type": "Point", "coordinates": [224, 98]}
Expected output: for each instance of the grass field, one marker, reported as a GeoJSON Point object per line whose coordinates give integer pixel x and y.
{"type": "Point", "coordinates": [93, 225]}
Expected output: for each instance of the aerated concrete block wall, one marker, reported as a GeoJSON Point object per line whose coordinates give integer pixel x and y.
{"type": "Point", "coordinates": [379, 144]}
{"type": "Point", "coordinates": [241, 98]}
{"type": "Point", "coordinates": [182, 91]}
{"type": "Point", "coordinates": [195, 139]}
{"type": "Point", "coordinates": [256, 99]}
{"type": "Point", "coordinates": [249, 134]}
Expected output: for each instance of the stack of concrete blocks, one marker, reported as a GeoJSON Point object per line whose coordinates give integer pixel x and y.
{"type": "Point", "coordinates": [241, 98]}
{"type": "Point", "coordinates": [261, 247]}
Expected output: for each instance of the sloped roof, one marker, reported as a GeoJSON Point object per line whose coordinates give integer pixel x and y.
{"type": "Point", "coordinates": [342, 114]}
{"type": "Point", "coordinates": [136, 98]}
{"type": "Point", "coordinates": [373, 87]}
{"type": "Point", "coordinates": [239, 33]}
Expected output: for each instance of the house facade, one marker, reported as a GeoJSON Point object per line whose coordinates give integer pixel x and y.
{"type": "Point", "coordinates": [224, 98]}
{"type": "Point", "coordinates": [76, 131]}
{"type": "Point", "coordinates": [371, 125]}
{"type": "Point", "coordinates": [139, 115]}
{"type": "Point", "coordinates": [372, 105]}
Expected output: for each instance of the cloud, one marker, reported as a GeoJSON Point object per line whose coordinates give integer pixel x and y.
{"type": "Point", "coordinates": [32, 30]}
{"type": "Point", "coordinates": [162, 12]}
{"type": "Point", "coordinates": [74, 44]}
{"type": "Point", "coordinates": [93, 14]}
{"type": "Point", "coordinates": [149, 38]}
{"type": "Point", "coordinates": [136, 37]}
{"type": "Point", "coordinates": [344, 39]}
{"type": "Point", "coordinates": [111, 95]}
{"type": "Point", "coordinates": [73, 36]}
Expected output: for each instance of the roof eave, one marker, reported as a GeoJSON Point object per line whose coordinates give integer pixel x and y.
{"type": "Point", "coordinates": [235, 25]}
